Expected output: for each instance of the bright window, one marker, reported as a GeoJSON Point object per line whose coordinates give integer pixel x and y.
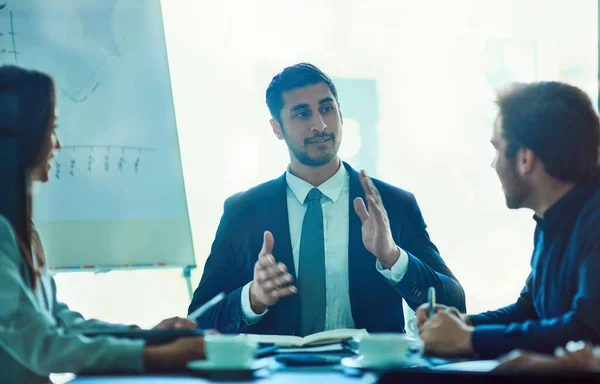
{"type": "Point", "coordinates": [429, 70]}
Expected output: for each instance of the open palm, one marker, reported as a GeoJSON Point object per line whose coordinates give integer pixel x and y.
{"type": "Point", "coordinates": [376, 232]}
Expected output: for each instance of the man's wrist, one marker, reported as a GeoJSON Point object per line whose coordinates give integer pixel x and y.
{"type": "Point", "coordinates": [467, 344]}
{"type": "Point", "coordinates": [390, 258]}
{"type": "Point", "coordinates": [255, 305]}
{"type": "Point", "coordinates": [466, 319]}
{"type": "Point", "coordinates": [156, 358]}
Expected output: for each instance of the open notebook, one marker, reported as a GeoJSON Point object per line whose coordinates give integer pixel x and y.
{"type": "Point", "coordinates": [322, 338]}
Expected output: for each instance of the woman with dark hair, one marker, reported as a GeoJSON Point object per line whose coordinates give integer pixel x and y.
{"type": "Point", "coordinates": [35, 337]}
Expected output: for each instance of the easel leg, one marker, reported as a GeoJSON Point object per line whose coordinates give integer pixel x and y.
{"type": "Point", "coordinates": [187, 274]}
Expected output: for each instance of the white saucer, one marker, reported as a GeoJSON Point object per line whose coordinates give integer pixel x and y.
{"type": "Point", "coordinates": [357, 362]}
{"type": "Point", "coordinates": [207, 365]}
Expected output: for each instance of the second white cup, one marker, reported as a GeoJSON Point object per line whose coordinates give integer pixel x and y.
{"type": "Point", "coordinates": [230, 351]}
{"type": "Point", "coordinates": [381, 349]}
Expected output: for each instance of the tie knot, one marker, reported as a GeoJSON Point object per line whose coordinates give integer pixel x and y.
{"type": "Point", "coordinates": [313, 195]}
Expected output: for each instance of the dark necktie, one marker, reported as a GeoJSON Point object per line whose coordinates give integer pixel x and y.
{"type": "Point", "coordinates": [311, 267]}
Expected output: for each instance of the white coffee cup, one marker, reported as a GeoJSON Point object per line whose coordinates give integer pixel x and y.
{"type": "Point", "coordinates": [383, 349]}
{"type": "Point", "coordinates": [411, 327]}
{"type": "Point", "coordinates": [230, 351]}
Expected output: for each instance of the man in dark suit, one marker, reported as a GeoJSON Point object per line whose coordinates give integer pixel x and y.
{"type": "Point", "coordinates": [546, 136]}
{"type": "Point", "coordinates": [292, 256]}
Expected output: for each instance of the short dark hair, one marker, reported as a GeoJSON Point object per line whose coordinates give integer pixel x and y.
{"type": "Point", "coordinates": [557, 122]}
{"type": "Point", "coordinates": [295, 76]}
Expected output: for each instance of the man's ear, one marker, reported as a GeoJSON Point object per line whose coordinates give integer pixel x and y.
{"type": "Point", "coordinates": [526, 161]}
{"type": "Point", "coordinates": [341, 114]}
{"type": "Point", "coordinates": [276, 128]}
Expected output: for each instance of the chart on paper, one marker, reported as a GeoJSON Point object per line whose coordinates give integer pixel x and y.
{"type": "Point", "coordinates": [116, 118]}
{"type": "Point", "coordinates": [116, 193]}
{"type": "Point", "coordinates": [81, 160]}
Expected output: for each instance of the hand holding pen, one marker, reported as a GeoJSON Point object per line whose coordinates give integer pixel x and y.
{"type": "Point", "coordinates": [429, 309]}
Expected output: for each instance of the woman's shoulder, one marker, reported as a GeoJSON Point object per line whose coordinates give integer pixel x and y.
{"type": "Point", "coordinates": [6, 230]}
{"type": "Point", "coordinates": [8, 241]}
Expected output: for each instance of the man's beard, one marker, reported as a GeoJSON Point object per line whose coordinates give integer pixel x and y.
{"type": "Point", "coordinates": [305, 159]}
{"type": "Point", "coordinates": [516, 191]}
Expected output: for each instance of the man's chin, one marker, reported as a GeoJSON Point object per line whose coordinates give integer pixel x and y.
{"type": "Point", "coordinates": [317, 161]}
{"type": "Point", "coordinates": [513, 202]}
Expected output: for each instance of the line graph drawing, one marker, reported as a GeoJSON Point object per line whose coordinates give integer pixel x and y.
{"type": "Point", "coordinates": [77, 160]}
{"type": "Point", "coordinates": [79, 93]}
{"type": "Point", "coordinates": [75, 95]}
{"type": "Point", "coordinates": [120, 156]}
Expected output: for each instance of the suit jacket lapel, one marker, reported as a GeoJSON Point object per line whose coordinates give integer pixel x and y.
{"type": "Point", "coordinates": [356, 257]}
{"type": "Point", "coordinates": [277, 222]}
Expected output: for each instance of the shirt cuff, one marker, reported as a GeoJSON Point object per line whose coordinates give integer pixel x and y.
{"type": "Point", "coordinates": [247, 313]}
{"type": "Point", "coordinates": [395, 274]}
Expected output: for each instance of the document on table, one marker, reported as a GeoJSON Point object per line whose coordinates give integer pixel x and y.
{"type": "Point", "coordinates": [318, 349]}
{"type": "Point", "coordinates": [470, 366]}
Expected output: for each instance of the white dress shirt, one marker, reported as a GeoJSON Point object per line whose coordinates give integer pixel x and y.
{"type": "Point", "coordinates": [336, 210]}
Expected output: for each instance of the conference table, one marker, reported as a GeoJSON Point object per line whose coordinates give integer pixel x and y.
{"type": "Point", "coordinates": [337, 374]}
{"type": "Point", "coordinates": [290, 377]}
{"type": "Point", "coordinates": [275, 370]}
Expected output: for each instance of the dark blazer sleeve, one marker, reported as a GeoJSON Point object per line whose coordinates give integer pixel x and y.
{"type": "Point", "coordinates": [581, 322]}
{"type": "Point", "coordinates": [425, 266]}
{"type": "Point", "coordinates": [222, 273]}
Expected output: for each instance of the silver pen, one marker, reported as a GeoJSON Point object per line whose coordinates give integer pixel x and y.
{"type": "Point", "coordinates": [206, 306]}
{"type": "Point", "coordinates": [431, 301]}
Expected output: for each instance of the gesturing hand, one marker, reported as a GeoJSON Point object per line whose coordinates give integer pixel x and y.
{"type": "Point", "coordinates": [271, 279]}
{"type": "Point", "coordinates": [376, 232]}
